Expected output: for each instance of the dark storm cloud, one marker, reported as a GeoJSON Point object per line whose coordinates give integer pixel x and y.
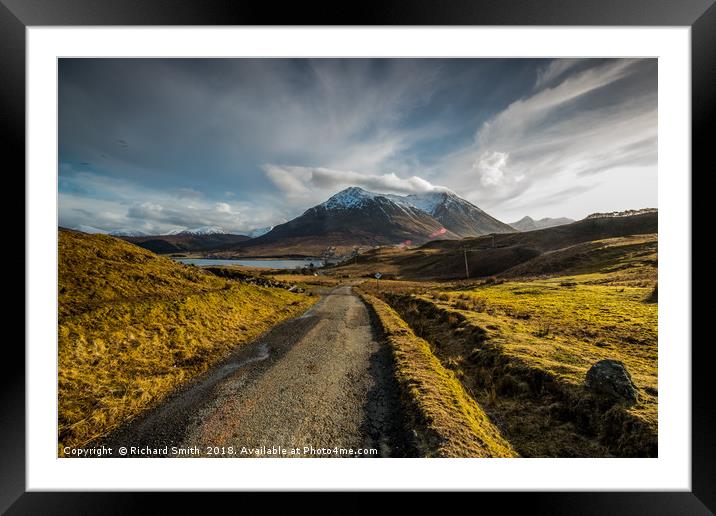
{"type": "Point", "coordinates": [156, 144]}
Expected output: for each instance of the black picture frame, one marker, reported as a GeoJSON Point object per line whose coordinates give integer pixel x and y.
{"type": "Point", "coordinates": [700, 15]}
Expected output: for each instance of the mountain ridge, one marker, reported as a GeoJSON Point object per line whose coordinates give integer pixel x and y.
{"type": "Point", "coordinates": [355, 216]}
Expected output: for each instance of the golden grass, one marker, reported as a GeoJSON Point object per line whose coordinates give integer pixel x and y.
{"type": "Point", "coordinates": [564, 330]}
{"type": "Point", "coordinates": [127, 340]}
{"type": "Point", "coordinates": [506, 340]}
{"type": "Point", "coordinates": [99, 269]}
{"type": "Point", "coordinates": [449, 422]}
{"type": "Point", "coordinates": [626, 261]}
{"type": "Point", "coordinates": [564, 324]}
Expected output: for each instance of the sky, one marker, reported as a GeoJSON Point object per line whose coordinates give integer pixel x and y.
{"type": "Point", "coordinates": [156, 145]}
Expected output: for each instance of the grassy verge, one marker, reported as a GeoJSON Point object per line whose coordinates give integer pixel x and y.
{"type": "Point", "coordinates": [448, 421]}
{"type": "Point", "coordinates": [522, 349]}
{"type": "Point", "coordinates": [134, 326]}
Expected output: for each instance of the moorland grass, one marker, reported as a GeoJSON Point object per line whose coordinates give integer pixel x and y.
{"type": "Point", "coordinates": [499, 336]}
{"type": "Point", "coordinates": [134, 326]}
{"type": "Point", "coordinates": [565, 330]}
{"type": "Point", "coordinates": [99, 269]}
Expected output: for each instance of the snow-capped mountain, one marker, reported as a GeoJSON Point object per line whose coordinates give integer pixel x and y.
{"type": "Point", "coordinates": [454, 213]}
{"type": "Point", "coordinates": [350, 198]}
{"type": "Point", "coordinates": [202, 230]}
{"type": "Point", "coordinates": [457, 215]}
{"type": "Point", "coordinates": [527, 223]}
{"type": "Point", "coordinates": [359, 217]}
{"type": "Point", "coordinates": [428, 202]}
{"type": "Point", "coordinates": [355, 196]}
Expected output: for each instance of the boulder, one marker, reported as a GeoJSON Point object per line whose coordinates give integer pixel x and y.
{"type": "Point", "coordinates": [610, 379]}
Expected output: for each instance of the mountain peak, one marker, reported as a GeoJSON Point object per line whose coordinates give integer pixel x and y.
{"type": "Point", "coordinates": [353, 190]}
{"type": "Point", "coordinates": [351, 197]}
{"type": "Point", "coordinates": [429, 201]}
{"type": "Point", "coordinates": [355, 196]}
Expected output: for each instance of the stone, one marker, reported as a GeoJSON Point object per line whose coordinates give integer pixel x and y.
{"type": "Point", "coordinates": [610, 379]}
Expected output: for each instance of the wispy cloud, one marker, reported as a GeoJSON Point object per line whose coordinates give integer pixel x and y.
{"type": "Point", "coordinates": [555, 70]}
{"type": "Point", "coordinates": [243, 143]}
{"type": "Point", "coordinates": [582, 126]}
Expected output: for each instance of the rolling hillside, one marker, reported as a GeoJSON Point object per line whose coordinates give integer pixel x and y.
{"type": "Point", "coordinates": [133, 326]}
{"type": "Point", "coordinates": [491, 255]}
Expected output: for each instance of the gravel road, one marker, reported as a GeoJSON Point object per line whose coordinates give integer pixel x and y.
{"type": "Point", "coordinates": [319, 382]}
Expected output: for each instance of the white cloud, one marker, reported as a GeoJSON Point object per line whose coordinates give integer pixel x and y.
{"type": "Point", "coordinates": [152, 211]}
{"type": "Point", "coordinates": [222, 207]}
{"type": "Point", "coordinates": [315, 184]}
{"type": "Point", "coordinates": [555, 140]}
{"type": "Point", "coordinates": [490, 166]}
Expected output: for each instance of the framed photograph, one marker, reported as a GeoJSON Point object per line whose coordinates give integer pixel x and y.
{"type": "Point", "coordinates": [433, 238]}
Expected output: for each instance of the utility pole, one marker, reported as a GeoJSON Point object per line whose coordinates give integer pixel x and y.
{"type": "Point", "coordinates": [467, 270]}
{"type": "Point", "coordinates": [493, 241]}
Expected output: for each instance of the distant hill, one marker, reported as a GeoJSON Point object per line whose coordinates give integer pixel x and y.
{"type": "Point", "coordinates": [186, 242]}
{"type": "Point", "coordinates": [202, 230]}
{"type": "Point", "coordinates": [627, 254]}
{"type": "Point", "coordinates": [529, 224]}
{"type": "Point", "coordinates": [196, 240]}
{"type": "Point", "coordinates": [490, 255]}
